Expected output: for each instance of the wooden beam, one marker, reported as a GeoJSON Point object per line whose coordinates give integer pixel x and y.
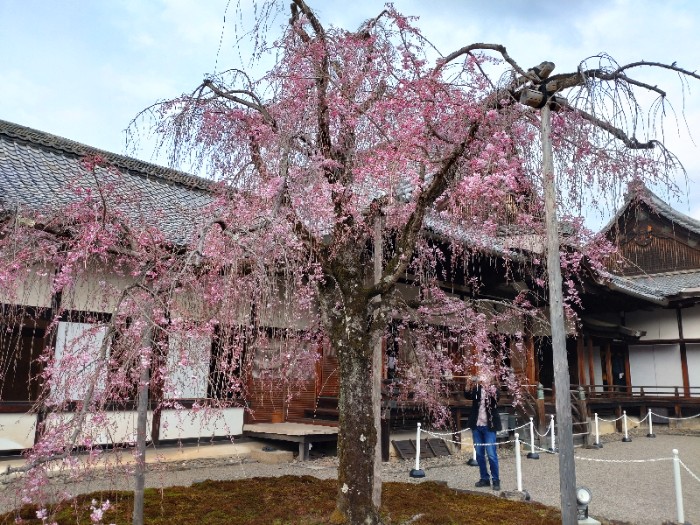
{"type": "Point", "coordinates": [529, 347]}
{"type": "Point", "coordinates": [684, 355]}
{"type": "Point", "coordinates": [591, 367]}
{"type": "Point", "coordinates": [628, 378]}
{"type": "Point", "coordinates": [531, 361]}
{"type": "Point", "coordinates": [580, 360]}
{"type": "Point", "coordinates": [607, 374]}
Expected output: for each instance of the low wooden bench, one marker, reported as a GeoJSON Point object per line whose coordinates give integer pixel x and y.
{"type": "Point", "coordinates": [295, 432]}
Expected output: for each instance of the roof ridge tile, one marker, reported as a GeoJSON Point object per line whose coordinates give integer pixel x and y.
{"type": "Point", "coordinates": [48, 140]}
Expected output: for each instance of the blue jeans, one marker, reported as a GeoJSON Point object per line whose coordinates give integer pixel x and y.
{"type": "Point", "coordinates": [483, 436]}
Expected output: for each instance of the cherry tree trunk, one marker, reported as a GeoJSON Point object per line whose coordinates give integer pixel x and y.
{"type": "Point", "coordinates": [357, 439]}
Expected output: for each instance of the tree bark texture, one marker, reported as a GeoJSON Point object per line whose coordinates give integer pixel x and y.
{"type": "Point", "coordinates": [357, 434]}
{"type": "Point", "coordinates": [377, 361]}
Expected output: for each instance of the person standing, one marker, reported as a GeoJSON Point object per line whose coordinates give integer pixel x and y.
{"type": "Point", "coordinates": [485, 421]}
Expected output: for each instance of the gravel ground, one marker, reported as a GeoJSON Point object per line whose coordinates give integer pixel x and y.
{"type": "Point", "coordinates": [630, 482]}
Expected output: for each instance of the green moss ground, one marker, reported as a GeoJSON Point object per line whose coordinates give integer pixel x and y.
{"type": "Point", "coordinates": [292, 500]}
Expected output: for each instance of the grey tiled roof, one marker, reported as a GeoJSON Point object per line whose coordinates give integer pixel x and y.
{"type": "Point", "coordinates": [670, 284]}
{"type": "Point", "coordinates": [37, 170]}
{"type": "Point", "coordinates": [441, 227]}
{"type": "Point", "coordinates": [641, 193]}
{"type": "Point", "coordinates": [660, 286]}
{"type": "Point", "coordinates": [641, 289]}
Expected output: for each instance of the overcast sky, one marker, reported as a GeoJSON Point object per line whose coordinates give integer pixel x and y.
{"type": "Point", "coordinates": [82, 69]}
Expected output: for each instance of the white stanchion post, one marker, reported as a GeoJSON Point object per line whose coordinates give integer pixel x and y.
{"type": "Point", "coordinates": [680, 514]}
{"type": "Point", "coordinates": [518, 464]}
{"type": "Point", "coordinates": [625, 439]}
{"type": "Point", "coordinates": [417, 472]}
{"type": "Point", "coordinates": [598, 444]}
{"type": "Point", "coordinates": [553, 447]}
{"type": "Point", "coordinates": [651, 428]}
{"type": "Point", "coordinates": [472, 462]}
{"type": "Point", "coordinates": [532, 454]}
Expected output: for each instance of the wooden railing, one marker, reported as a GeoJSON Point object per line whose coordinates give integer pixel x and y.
{"type": "Point", "coordinates": [642, 392]}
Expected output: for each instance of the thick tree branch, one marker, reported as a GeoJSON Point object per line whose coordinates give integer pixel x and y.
{"type": "Point", "coordinates": [408, 237]}
{"type": "Point", "coordinates": [322, 80]}
{"type": "Point", "coordinates": [466, 50]}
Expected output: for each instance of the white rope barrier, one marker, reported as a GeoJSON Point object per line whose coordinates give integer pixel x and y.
{"type": "Point", "coordinates": [689, 471]}
{"type": "Point", "coordinates": [439, 434]}
{"type": "Point", "coordinates": [611, 420]}
{"type": "Point", "coordinates": [598, 460]}
{"type": "Point", "coordinates": [676, 418]}
{"type": "Point", "coordinates": [556, 451]}
{"type": "Point", "coordinates": [444, 439]}
{"type": "Point", "coordinates": [545, 434]}
{"type": "Point", "coordinates": [442, 434]}
{"type": "Point", "coordinates": [520, 427]}
{"type": "Point", "coordinates": [677, 463]}
{"type": "Point", "coordinates": [433, 434]}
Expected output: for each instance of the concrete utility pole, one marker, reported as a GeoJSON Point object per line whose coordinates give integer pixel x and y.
{"type": "Point", "coordinates": [567, 467]}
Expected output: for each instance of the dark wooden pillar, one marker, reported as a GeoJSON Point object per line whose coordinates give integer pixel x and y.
{"type": "Point", "coordinates": [580, 360]}
{"type": "Point", "coordinates": [607, 373]}
{"type": "Point", "coordinates": [684, 355]}
{"type": "Point", "coordinates": [530, 362]}
{"type": "Point", "coordinates": [591, 366]}
{"type": "Point", "coordinates": [385, 424]}
{"type": "Point", "coordinates": [628, 373]}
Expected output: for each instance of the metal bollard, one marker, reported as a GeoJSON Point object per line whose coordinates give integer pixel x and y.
{"type": "Point", "coordinates": [553, 445]}
{"type": "Point", "coordinates": [518, 464]}
{"type": "Point", "coordinates": [625, 439]}
{"type": "Point", "coordinates": [651, 428]}
{"type": "Point", "coordinates": [532, 454]}
{"type": "Point", "coordinates": [417, 472]}
{"type": "Point", "coordinates": [680, 515]}
{"type": "Point", "coordinates": [598, 444]}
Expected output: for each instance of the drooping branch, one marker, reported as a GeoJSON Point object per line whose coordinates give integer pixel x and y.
{"type": "Point", "coordinates": [78, 420]}
{"type": "Point", "coordinates": [644, 63]}
{"type": "Point", "coordinates": [630, 142]}
{"type": "Point", "coordinates": [232, 95]}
